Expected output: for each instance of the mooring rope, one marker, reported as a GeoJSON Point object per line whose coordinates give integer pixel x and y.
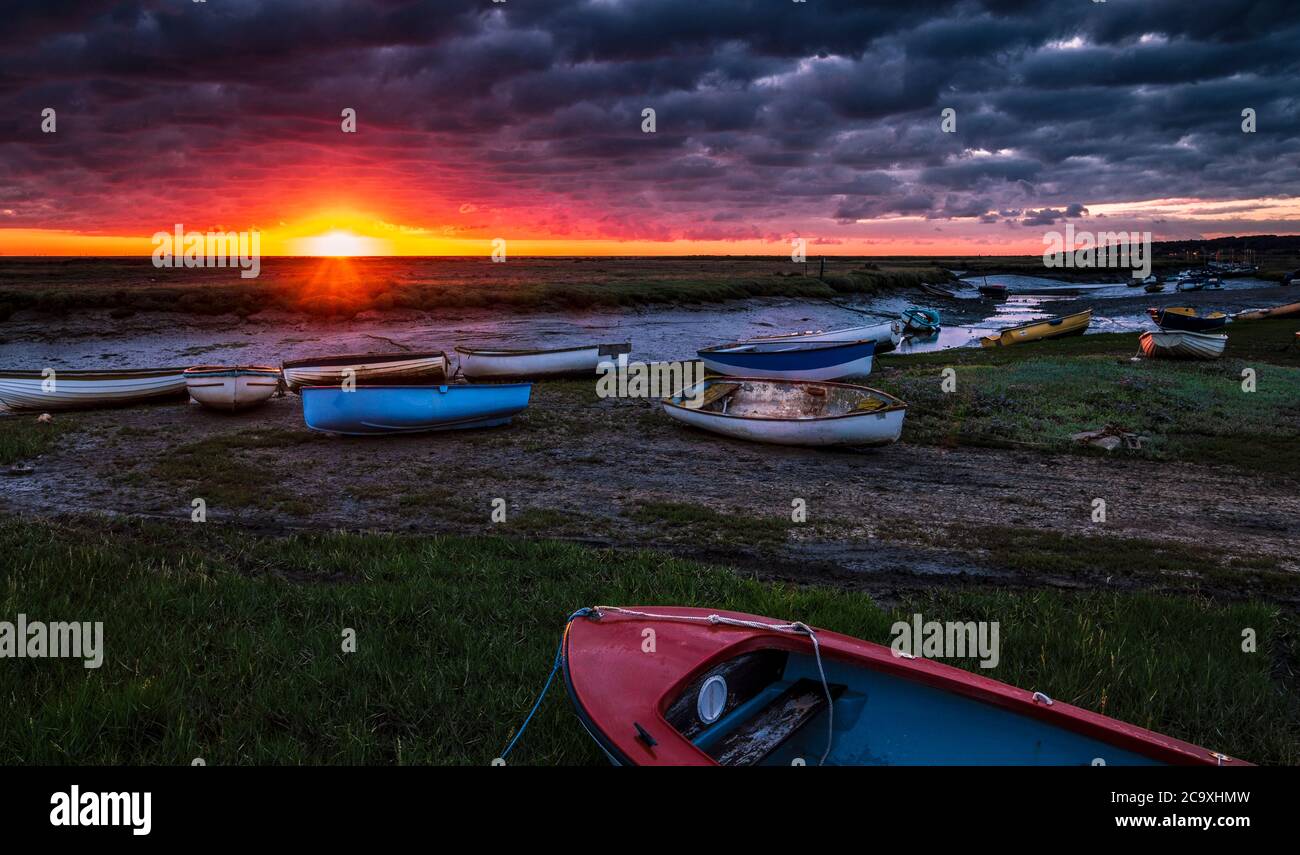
{"type": "Point", "coordinates": [559, 656]}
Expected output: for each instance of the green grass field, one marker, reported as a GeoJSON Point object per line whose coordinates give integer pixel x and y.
{"type": "Point", "coordinates": [227, 646]}
{"type": "Point", "coordinates": [1039, 394]}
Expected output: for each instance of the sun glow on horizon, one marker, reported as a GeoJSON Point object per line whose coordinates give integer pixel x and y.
{"type": "Point", "coordinates": [341, 243]}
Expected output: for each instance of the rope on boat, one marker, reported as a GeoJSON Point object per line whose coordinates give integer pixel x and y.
{"type": "Point", "coordinates": [796, 628]}
{"type": "Point", "coordinates": [559, 656]}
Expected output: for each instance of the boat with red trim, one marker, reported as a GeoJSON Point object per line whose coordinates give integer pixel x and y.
{"type": "Point", "coordinates": [727, 688]}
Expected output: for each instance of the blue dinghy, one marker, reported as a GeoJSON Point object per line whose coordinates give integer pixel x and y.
{"type": "Point", "coordinates": [791, 360]}
{"type": "Point", "coordinates": [368, 410]}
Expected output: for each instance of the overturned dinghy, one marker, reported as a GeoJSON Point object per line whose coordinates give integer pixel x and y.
{"type": "Point", "coordinates": [791, 360]}
{"type": "Point", "coordinates": [790, 412]}
{"type": "Point", "coordinates": [57, 389]}
{"type": "Point", "coordinates": [377, 410]}
{"type": "Point", "coordinates": [734, 689]}
{"type": "Point", "coordinates": [482, 363]}
{"type": "Point", "coordinates": [366, 368]}
{"type": "Point", "coordinates": [1179, 344]}
{"type": "Point", "coordinates": [232, 388]}
{"type": "Point", "coordinates": [886, 335]}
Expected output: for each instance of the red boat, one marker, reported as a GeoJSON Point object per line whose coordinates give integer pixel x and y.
{"type": "Point", "coordinates": [670, 686]}
{"type": "Point", "coordinates": [995, 290]}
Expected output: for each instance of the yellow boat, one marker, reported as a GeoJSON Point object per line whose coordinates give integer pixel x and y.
{"type": "Point", "coordinates": [1075, 324]}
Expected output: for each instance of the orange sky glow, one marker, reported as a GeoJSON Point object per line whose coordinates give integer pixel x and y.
{"type": "Point", "coordinates": [355, 232]}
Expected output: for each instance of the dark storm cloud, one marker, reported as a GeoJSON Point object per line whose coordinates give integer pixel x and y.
{"type": "Point", "coordinates": [766, 112]}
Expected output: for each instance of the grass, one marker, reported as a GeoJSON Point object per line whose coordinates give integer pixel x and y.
{"type": "Point", "coordinates": [228, 647]}
{"type": "Point", "coordinates": [1036, 553]}
{"type": "Point", "coordinates": [22, 437]}
{"type": "Point", "coordinates": [1038, 395]}
{"type": "Point", "coordinates": [344, 288]}
{"type": "Point", "coordinates": [213, 470]}
{"type": "Point", "coordinates": [684, 522]}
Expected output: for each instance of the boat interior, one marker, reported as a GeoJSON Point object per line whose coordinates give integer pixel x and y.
{"type": "Point", "coordinates": [769, 707]}
{"type": "Point", "coordinates": [761, 400]}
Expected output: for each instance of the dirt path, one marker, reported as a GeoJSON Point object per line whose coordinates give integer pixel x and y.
{"type": "Point", "coordinates": [620, 473]}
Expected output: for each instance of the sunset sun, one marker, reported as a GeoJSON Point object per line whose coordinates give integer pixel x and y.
{"type": "Point", "coordinates": [339, 242]}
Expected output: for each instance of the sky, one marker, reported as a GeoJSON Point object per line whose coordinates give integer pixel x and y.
{"type": "Point", "coordinates": [524, 121]}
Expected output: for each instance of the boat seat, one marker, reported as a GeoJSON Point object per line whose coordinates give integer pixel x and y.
{"type": "Point", "coordinates": [751, 742]}
{"type": "Point", "coordinates": [712, 395]}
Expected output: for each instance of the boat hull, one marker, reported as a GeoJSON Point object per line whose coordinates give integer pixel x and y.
{"type": "Point", "coordinates": [232, 389]}
{"type": "Point", "coordinates": [1067, 325]}
{"type": "Point", "coordinates": [1186, 319]}
{"type": "Point", "coordinates": [369, 369]}
{"type": "Point", "coordinates": [888, 710]}
{"type": "Point", "coordinates": [886, 335]}
{"type": "Point", "coordinates": [1182, 345]}
{"type": "Point", "coordinates": [776, 413]}
{"type": "Point", "coordinates": [76, 390]}
{"type": "Point", "coordinates": [379, 410]}
{"type": "Point", "coordinates": [791, 360]}
{"type": "Point", "coordinates": [1285, 311]}
{"type": "Point", "coordinates": [499, 364]}
{"type": "Point", "coordinates": [921, 321]}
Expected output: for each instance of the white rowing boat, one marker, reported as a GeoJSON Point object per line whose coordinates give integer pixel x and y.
{"type": "Point", "coordinates": [488, 363]}
{"type": "Point", "coordinates": [59, 389]}
{"type": "Point", "coordinates": [790, 412]}
{"type": "Point", "coordinates": [232, 388]}
{"type": "Point", "coordinates": [886, 335]}
{"type": "Point", "coordinates": [367, 368]}
{"type": "Point", "coordinates": [1181, 344]}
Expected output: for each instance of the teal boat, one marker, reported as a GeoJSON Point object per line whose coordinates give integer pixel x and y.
{"type": "Point", "coordinates": [376, 410]}
{"type": "Point", "coordinates": [918, 321]}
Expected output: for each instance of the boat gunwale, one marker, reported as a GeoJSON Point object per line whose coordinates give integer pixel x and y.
{"type": "Point", "coordinates": [362, 359]}
{"type": "Point", "coordinates": [895, 328]}
{"type": "Point", "coordinates": [389, 387]}
{"type": "Point", "coordinates": [801, 347]}
{"type": "Point", "coordinates": [509, 352]}
{"type": "Point", "coordinates": [91, 374]}
{"type": "Point", "coordinates": [232, 371]}
{"type": "Point", "coordinates": [896, 405]}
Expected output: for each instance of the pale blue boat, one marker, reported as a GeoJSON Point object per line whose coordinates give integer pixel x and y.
{"type": "Point", "coordinates": [377, 410]}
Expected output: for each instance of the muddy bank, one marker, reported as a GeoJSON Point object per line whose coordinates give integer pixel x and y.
{"type": "Point", "coordinates": [620, 473]}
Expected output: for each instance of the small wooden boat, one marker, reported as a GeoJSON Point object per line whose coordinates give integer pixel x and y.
{"type": "Point", "coordinates": [1286, 311]}
{"type": "Point", "coordinates": [1066, 325]}
{"type": "Point", "coordinates": [481, 363]}
{"type": "Point", "coordinates": [918, 321]}
{"type": "Point", "coordinates": [733, 689]}
{"type": "Point", "coordinates": [791, 360]}
{"type": "Point", "coordinates": [1186, 318]}
{"type": "Point", "coordinates": [886, 335]}
{"type": "Point", "coordinates": [995, 290]}
{"type": "Point", "coordinates": [790, 412]}
{"type": "Point", "coordinates": [59, 389]}
{"type": "Point", "coordinates": [1181, 344]}
{"type": "Point", "coordinates": [232, 388]}
{"type": "Point", "coordinates": [367, 368]}
{"type": "Point", "coordinates": [1153, 287]}
{"type": "Point", "coordinates": [375, 410]}
{"type": "Point", "coordinates": [937, 291]}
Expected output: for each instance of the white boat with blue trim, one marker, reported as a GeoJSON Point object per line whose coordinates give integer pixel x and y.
{"type": "Point", "coordinates": [791, 360]}
{"type": "Point", "coordinates": [790, 412]}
